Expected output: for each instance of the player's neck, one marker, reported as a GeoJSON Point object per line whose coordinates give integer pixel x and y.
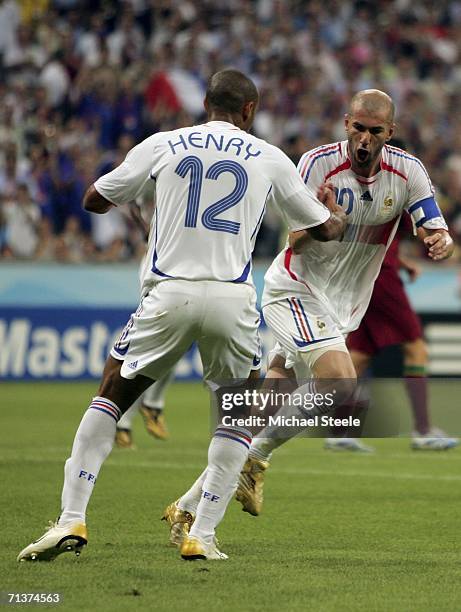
{"type": "Point", "coordinates": [228, 117]}
{"type": "Point", "coordinates": [368, 171]}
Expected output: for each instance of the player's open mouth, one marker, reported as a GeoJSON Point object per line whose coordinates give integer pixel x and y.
{"type": "Point", "coordinates": [362, 154]}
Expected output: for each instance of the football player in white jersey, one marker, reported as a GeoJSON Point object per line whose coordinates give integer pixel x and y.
{"type": "Point", "coordinates": [316, 293]}
{"type": "Point", "coordinates": [212, 185]}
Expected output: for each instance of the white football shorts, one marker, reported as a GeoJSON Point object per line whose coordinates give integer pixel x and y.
{"type": "Point", "coordinates": [220, 317]}
{"type": "Point", "coordinates": [297, 331]}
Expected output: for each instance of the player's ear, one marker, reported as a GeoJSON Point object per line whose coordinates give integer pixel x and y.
{"type": "Point", "coordinates": [206, 105]}
{"type": "Point", "coordinates": [391, 132]}
{"type": "Point", "coordinates": [346, 121]}
{"type": "Point", "coordinates": [248, 112]}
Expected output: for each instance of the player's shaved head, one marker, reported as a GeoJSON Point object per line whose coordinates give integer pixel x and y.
{"type": "Point", "coordinates": [374, 102]}
{"type": "Point", "coordinates": [229, 90]}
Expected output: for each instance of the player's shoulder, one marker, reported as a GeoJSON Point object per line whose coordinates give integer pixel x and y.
{"type": "Point", "coordinates": [270, 150]}
{"type": "Point", "coordinates": [324, 158]}
{"type": "Point", "coordinates": [401, 160]}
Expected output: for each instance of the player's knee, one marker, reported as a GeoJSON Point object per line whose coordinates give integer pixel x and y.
{"type": "Point", "coordinates": [334, 363]}
{"type": "Point", "coordinates": [416, 352]}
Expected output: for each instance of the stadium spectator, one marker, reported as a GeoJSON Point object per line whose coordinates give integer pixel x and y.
{"type": "Point", "coordinates": [21, 224]}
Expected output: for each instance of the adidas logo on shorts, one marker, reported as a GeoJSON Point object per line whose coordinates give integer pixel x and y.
{"type": "Point", "coordinates": [133, 365]}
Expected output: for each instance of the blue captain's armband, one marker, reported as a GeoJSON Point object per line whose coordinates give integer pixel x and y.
{"type": "Point", "coordinates": [427, 213]}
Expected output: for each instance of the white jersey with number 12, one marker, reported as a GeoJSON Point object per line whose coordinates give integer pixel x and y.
{"type": "Point", "coordinates": [213, 183]}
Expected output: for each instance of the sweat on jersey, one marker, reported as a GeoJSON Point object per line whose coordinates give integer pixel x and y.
{"type": "Point", "coordinates": [339, 276]}
{"type": "Point", "coordinates": [213, 183]}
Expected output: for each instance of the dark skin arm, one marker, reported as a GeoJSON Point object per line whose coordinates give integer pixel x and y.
{"type": "Point", "coordinates": [332, 229]}
{"type": "Point", "coordinates": [95, 203]}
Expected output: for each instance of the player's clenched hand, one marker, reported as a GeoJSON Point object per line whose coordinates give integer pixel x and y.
{"type": "Point", "coordinates": [439, 245]}
{"type": "Point", "coordinates": [326, 194]}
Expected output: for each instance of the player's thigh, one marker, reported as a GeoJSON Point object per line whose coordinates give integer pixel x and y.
{"type": "Point", "coordinates": [160, 331]}
{"type": "Point", "coordinates": [229, 343]}
{"type": "Point", "coordinates": [299, 334]}
{"type": "Point", "coordinates": [330, 365]}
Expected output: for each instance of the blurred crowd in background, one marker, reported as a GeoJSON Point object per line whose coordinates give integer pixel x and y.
{"type": "Point", "coordinates": [82, 81]}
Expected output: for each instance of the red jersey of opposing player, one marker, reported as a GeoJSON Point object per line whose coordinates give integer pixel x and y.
{"type": "Point", "coordinates": [390, 318]}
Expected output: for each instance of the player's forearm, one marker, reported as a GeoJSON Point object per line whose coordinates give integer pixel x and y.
{"type": "Point", "coordinates": [332, 229]}
{"type": "Point", "coordinates": [94, 202]}
{"type": "Point", "coordinates": [298, 240]}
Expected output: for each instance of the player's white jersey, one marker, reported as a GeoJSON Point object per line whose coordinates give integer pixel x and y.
{"type": "Point", "coordinates": [212, 185]}
{"type": "Point", "coordinates": [337, 277]}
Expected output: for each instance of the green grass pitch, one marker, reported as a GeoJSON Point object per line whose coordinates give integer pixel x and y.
{"type": "Point", "coordinates": [338, 531]}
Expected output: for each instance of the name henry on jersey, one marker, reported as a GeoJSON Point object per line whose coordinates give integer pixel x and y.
{"type": "Point", "coordinates": [198, 140]}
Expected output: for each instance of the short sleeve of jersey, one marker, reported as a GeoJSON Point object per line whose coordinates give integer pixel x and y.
{"type": "Point", "coordinates": [297, 203]}
{"type": "Point", "coordinates": [312, 170]}
{"type": "Point", "coordinates": [421, 202]}
{"type": "Point", "coordinates": [128, 181]}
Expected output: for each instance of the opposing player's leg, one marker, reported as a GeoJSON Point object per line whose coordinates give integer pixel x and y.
{"type": "Point", "coordinates": [415, 362]}
{"type": "Point", "coordinates": [92, 444]}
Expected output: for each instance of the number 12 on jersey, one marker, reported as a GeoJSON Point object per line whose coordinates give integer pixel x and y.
{"type": "Point", "coordinates": [193, 166]}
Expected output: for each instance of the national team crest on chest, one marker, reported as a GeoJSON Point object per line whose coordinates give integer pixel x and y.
{"type": "Point", "coordinates": [387, 207]}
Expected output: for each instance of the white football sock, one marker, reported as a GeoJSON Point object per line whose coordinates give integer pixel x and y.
{"type": "Point", "coordinates": [190, 500]}
{"type": "Point", "coordinates": [262, 448]}
{"type": "Point", "coordinates": [274, 436]}
{"type": "Point", "coordinates": [227, 453]}
{"type": "Point", "coordinates": [92, 444]}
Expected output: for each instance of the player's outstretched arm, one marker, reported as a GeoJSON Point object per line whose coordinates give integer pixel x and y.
{"type": "Point", "coordinates": [439, 243]}
{"type": "Point", "coordinates": [94, 202]}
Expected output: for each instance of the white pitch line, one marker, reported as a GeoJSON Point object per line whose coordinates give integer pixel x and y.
{"type": "Point", "coordinates": [150, 465]}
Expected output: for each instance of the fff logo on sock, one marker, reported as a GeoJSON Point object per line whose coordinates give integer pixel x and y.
{"type": "Point", "coordinates": [210, 496]}
{"type": "Point", "coordinates": [87, 476]}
